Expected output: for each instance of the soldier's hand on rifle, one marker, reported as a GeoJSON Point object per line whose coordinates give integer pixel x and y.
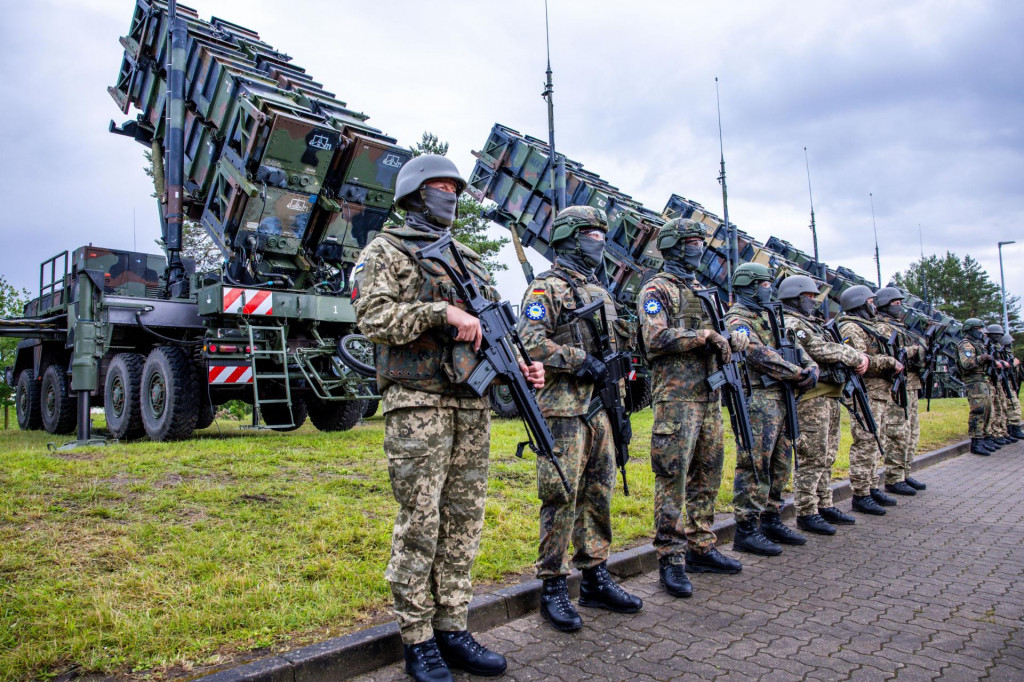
{"type": "Point", "coordinates": [898, 368]}
{"type": "Point", "coordinates": [534, 374]}
{"type": "Point", "coordinates": [739, 342]}
{"type": "Point", "coordinates": [808, 379]}
{"type": "Point", "coordinates": [593, 369]}
{"type": "Point", "coordinates": [467, 325]}
{"type": "Point", "coordinates": [716, 342]}
{"type": "Point", "coordinates": [863, 366]}
{"type": "Point", "coordinates": [985, 357]}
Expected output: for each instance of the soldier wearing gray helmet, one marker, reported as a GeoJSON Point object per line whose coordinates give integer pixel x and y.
{"type": "Point", "coordinates": [437, 430]}
{"type": "Point", "coordinates": [859, 327]}
{"type": "Point", "coordinates": [973, 360]}
{"type": "Point", "coordinates": [1014, 417]}
{"type": "Point", "coordinates": [900, 456]}
{"type": "Point", "coordinates": [818, 409]}
{"type": "Point", "coordinates": [997, 427]}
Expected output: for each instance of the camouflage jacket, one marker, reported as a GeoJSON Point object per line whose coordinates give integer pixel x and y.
{"type": "Point", "coordinates": [762, 358]}
{"type": "Point", "coordinates": [914, 345]}
{"type": "Point", "coordinates": [562, 347]}
{"type": "Point", "coordinates": [818, 343]}
{"type": "Point", "coordinates": [972, 369]}
{"type": "Point", "coordinates": [401, 305]}
{"type": "Point", "coordinates": [670, 317]}
{"type": "Point", "coordinates": [878, 378]}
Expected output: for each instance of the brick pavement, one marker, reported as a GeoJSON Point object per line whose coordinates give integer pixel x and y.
{"type": "Point", "coordinates": [932, 590]}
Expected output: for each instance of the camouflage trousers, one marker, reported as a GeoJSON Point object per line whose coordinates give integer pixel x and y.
{"type": "Point", "coordinates": [900, 455]}
{"type": "Point", "coordinates": [687, 452]}
{"type": "Point", "coordinates": [437, 461]}
{"type": "Point", "coordinates": [864, 455]}
{"type": "Point", "coordinates": [1013, 413]}
{"type": "Point", "coordinates": [979, 398]}
{"type": "Point", "coordinates": [587, 455]}
{"type": "Point", "coordinates": [770, 459]}
{"type": "Point", "coordinates": [816, 451]}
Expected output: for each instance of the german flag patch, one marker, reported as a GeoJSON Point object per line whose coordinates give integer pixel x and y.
{"type": "Point", "coordinates": [538, 292]}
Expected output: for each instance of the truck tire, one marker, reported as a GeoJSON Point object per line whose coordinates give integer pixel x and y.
{"type": "Point", "coordinates": [278, 413]}
{"type": "Point", "coordinates": [356, 351]}
{"type": "Point", "coordinates": [335, 415]}
{"type": "Point", "coordinates": [638, 393]}
{"type": "Point", "coordinates": [57, 403]}
{"type": "Point", "coordinates": [502, 403]}
{"type": "Point", "coordinates": [169, 396]}
{"type": "Point", "coordinates": [121, 404]}
{"type": "Point", "coordinates": [371, 408]}
{"type": "Point", "coordinates": [207, 411]}
{"type": "Point", "coordinates": [26, 401]}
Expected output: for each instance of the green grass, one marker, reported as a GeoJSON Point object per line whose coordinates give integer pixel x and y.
{"type": "Point", "coordinates": [154, 558]}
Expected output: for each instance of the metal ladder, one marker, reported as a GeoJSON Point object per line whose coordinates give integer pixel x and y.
{"type": "Point", "coordinates": [280, 351]}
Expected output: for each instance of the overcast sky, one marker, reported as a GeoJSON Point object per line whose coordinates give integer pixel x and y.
{"type": "Point", "coordinates": [919, 103]}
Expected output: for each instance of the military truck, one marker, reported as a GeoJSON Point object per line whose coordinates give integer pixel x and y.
{"type": "Point", "coordinates": [288, 182]}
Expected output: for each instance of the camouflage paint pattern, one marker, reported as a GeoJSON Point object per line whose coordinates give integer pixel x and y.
{"type": "Point", "coordinates": [914, 346]}
{"type": "Point", "coordinates": [762, 358]}
{"type": "Point", "coordinates": [587, 455]}
{"type": "Point", "coordinates": [771, 457]}
{"type": "Point", "coordinates": [687, 453]}
{"type": "Point", "coordinates": [878, 378]}
{"type": "Point", "coordinates": [816, 451]}
{"type": "Point", "coordinates": [437, 463]}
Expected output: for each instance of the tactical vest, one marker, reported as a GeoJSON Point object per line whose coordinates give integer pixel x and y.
{"type": "Point", "coordinates": [576, 333]}
{"type": "Point", "coordinates": [434, 362]}
{"type": "Point", "coordinates": [976, 374]}
{"type": "Point", "coordinates": [689, 316]}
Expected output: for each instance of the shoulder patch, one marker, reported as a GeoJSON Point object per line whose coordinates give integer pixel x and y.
{"type": "Point", "coordinates": [847, 340]}
{"type": "Point", "coordinates": [652, 306]}
{"type": "Point", "coordinates": [968, 354]}
{"type": "Point", "coordinates": [535, 311]}
{"type": "Point", "coordinates": [801, 335]}
{"type": "Point", "coordinates": [538, 291]}
{"type": "Point", "coordinates": [743, 329]}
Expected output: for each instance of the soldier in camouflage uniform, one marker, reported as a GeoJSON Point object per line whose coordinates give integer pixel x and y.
{"type": "Point", "coordinates": [860, 328]}
{"type": "Point", "coordinates": [437, 431]}
{"type": "Point", "coordinates": [973, 361]}
{"type": "Point", "coordinates": [761, 478]}
{"type": "Point", "coordinates": [818, 409]}
{"type": "Point", "coordinates": [1014, 417]}
{"type": "Point", "coordinates": [565, 345]}
{"type": "Point", "coordinates": [899, 458]}
{"type": "Point", "coordinates": [998, 427]}
{"type": "Point", "coordinates": [686, 441]}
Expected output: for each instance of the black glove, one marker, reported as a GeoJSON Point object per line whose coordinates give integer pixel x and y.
{"type": "Point", "coordinates": [593, 369]}
{"type": "Point", "coordinates": [808, 379]}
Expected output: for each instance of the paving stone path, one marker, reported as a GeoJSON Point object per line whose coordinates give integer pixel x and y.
{"type": "Point", "coordinates": [933, 590]}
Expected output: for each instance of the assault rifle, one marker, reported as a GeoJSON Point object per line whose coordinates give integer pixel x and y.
{"type": "Point", "coordinates": [790, 354]}
{"type": "Point", "coordinates": [497, 350]}
{"type": "Point", "coordinates": [933, 349]}
{"type": "Point", "coordinates": [607, 396]}
{"type": "Point", "coordinates": [855, 394]}
{"type": "Point", "coordinates": [999, 375]}
{"type": "Point", "coordinates": [899, 380]}
{"type": "Point", "coordinates": [731, 376]}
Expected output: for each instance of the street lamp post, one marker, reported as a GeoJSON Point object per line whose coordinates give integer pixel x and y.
{"type": "Point", "coordinates": [1002, 286]}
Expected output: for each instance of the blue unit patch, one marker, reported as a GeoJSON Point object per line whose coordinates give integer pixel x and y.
{"type": "Point", "coordinates": [847, 340]}
{"type": "Point", "coordinates": [652, 306]}
{"type": "Point", "coordinates": [535, 311]}
{"type": "Point", "coordinates": [743, 329]}
{"type": "Point", "coordinates": [968, 354]}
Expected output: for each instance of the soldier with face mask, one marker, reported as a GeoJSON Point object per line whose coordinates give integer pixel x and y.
{"type": "Point", "coordinates": [818, 409]}
{"type": "Point", "coordinates": [761, 478]}
{"type": "Point", "coordinates": [687, 438]}
{"type": "Point", "coordinates": [997, 427]}
{"type": "Point", "coordinates": [1014, 417]}
{"type": "Point", "coordinates": [901, 455]}
{"type": "Point", "coordinates": [973, 360]}
{"type": "Point", "coordinates": [437, 430]}
{"type": "Point", "coordinates": [553, 334]}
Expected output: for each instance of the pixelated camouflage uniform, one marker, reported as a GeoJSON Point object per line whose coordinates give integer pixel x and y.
{"type": "Point", "coordinates": [687, 449]}
{"type": "Point", "coordinates": [979, 393]}
{"type": "Point", "coordinates": [864, 455]}
{"type": "Point", "coordinates": [900, 456]}
{"type": "Point", "coordinates": [998, 423]}
{"type": "Point", "coordinates": [1013, 417]}
{"type": "Point", "coordinates": [771, 447]}
{"type": "Point", "coordinates": [818, 414]}
{"type": "Point", "coordinates": [437, 432]}
{"type": "Point", "coordinates": [586, 448]}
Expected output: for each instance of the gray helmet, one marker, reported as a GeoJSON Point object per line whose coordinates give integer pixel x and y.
{"type": "Point", "coordinates": [971, 324]}
{"type": "Point", "coordinates": [994, 330]}
{"type": "Point", "coordinates": [421, 169]}
{"type": "Point", "coordinates": [855, 297]}
{"type": "Point", "coordinates": [1007, 340]}
{"type": "Point", "coordinates": [794, 285]}
{"type": "Point", "coordinates": [678, 230]}
{"type": "Point", "coordinates": [887, 295]}
{"type": "Point", "coordinates": [749, 273]}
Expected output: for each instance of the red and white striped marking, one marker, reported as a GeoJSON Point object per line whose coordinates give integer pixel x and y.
{"type": "Point", "coordinates": [248, 301]}
{"type": "Point", "coordinates": [230, 374]}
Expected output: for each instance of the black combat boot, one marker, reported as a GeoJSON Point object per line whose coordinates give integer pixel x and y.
{"type": "Point", "coordinates": [599, 590]}
{"type": "Point", "coordinates": [978, 447]}
{"type": "Point", "coordinates": [555, 606]}
{"type": "Point", "coordinates": [1002, 440]}
{"type": "Point", "coordinates": [882, 499]}
{"type": "Point", "coordinates": [774, 529]}
{"type": "Point", "coordinates": [991, 443]}
{"type": "Point", "coordinates": [750, 539]}
{"type": "Point", "coordinates": [813, 523]}
{"type": "Point", "coordinates": [673, 577]}
{"type": "Point", "coordinates": [900, 488]}
{"type": "Point", "coordinates": [916, 484]}
{"type": "Point", "coordinates": [424, 663]}
{"type": "Point", "coordinates": [711, 561]}
{"type": "Point", "coordinates": [1009, 435]}
{"type": "Point", "coordinates": [1018, 431]}
{"type": "Point", "coordinates": [460, 650]}
{"type": "Point", "coordinates": [836, 517]}
{"type": "Point", "coordinates": [865, 504]}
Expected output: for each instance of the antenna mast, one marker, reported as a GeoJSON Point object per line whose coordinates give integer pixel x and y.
{"type": "Point", "coordinates": [732, 248]}
{"type": "Point", "coordinates": [878, 261]}
{"type": "Point", "coordinates": [557, 165]}
{"type": "Point", "coordinates": [814, 229]}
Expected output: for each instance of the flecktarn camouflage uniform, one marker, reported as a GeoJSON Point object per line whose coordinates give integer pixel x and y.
{"type": "Point", "coordinates": [979, 392]}
{"type": "Point", "coordinates": [437, 433]}
{"type": "Point", "coordinates": [900, 455]}
{"type": "Point", "coordinates": [771, 446]}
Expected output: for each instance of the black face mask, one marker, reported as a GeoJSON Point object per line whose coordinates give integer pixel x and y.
{"type": "Point", "coordinates": [691, 256]}
{"type": "Point", "coordinates": [897, 312]}
{"type": "Point", "coordinates": [807, 306]}
{"type": "Point", "coordinates": [440, 205]}
{"type": "Point", "coordinates": [592, 249]}
{"type": "Point", "coordinates": [754, 296]}
{"type": "Point", "coordinates": [763, 295]}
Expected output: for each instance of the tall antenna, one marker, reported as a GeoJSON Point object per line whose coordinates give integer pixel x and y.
{"type": "Point", "coordinates": [557, 165]}
{"type": "Point", "coordinates": [878, 261]}
{"type": "Point", "coordinates": [732, 248]}
{"type": "Point", "coordinates": [814, 229]}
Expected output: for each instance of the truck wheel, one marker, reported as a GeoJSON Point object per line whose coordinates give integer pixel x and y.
{"type": "Point", "coordinates": [278, 413]}
{"type": "Point", "coordinates": [121, 403]}
{"type": "Point", "coordinates": [170, 401]}
{"type": "Point", "coordinates": [335, 415]}
{"type": "Point", "coordinates": [371, 408]}
{"type": "Point", "coordinates": [356, 351]}
{"type": "Point", "coordinates": [26, 401]}
{"type": "Point", "coordinates": [638, 393]}
{"type": "Point", "coordinates": [56, 401]}
{"type": "Point", "coordinates": [207, 412]}
{"type": "Point", "coordinates": [502, 403]}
